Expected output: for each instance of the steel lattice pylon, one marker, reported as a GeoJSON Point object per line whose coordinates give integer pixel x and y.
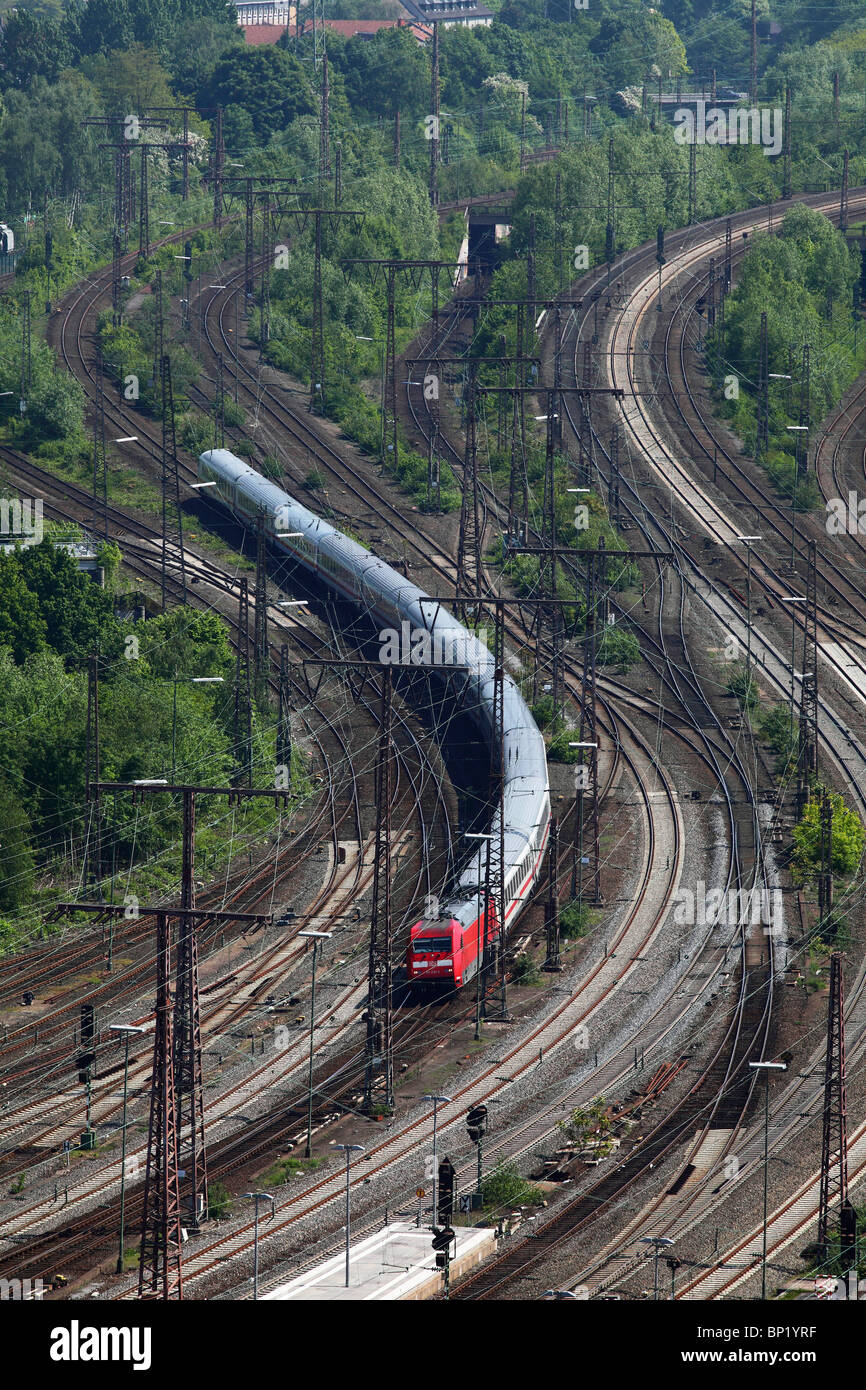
{"type": "Point", "coordinates": [159, 1270]}
{"type": "Point", "coordinates": [189, 1097]}
{"type": "Point", "coordinates": [834, 1144]}
{"type": "Point", "coordinates": [807, 745]}
{"type": "Point", "coordinates": [379, 1055]}
{"type": "Point", "coordinates": [172, 513]}
{"type": "Point", "coordinates": [242, 728]}
{"type": "Point", "coordinates": [469, 544]}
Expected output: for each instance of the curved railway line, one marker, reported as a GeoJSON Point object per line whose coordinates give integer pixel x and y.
{"type": "Point", "coordinates": [748, 1030]}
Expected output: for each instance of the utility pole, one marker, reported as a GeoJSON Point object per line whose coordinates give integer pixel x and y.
{"type": "Point", "coordinates": [786, 147]}
{"type": "Point", "coordinates": [470, 543]}
{"type": "Point", "coordinates": [338, 175]}
{"type": "Point", "coordinates": [261, 647]}
{"type": "Point", "coordinates": [91, 778]}
{"type": "Point", "coordinates": [807, 747]}
{"type": "Point", "coordinates": [397, 138]}
{"type": "Point", "coordinates": [379, 1050]}
{"type": "Point", "coordinates": [188, 1080]}
{"type": "Point", "coordinates": [242, 726]}
{"type": "Point", "coordinates": [805, 420]}
{"type": "Point", "coordinates": [158, 328]}
{"type": "Point", "coordinates": [379, 1013]}
{"type": "Point", "coordinates": [143, 208]}
{"type": "Point", "coordinates": [219, 162]}
{"type": "Point", "coordinates": [176, 1138]}
{"type": "Point", "coordinates": [843, 201]}
{"type": "Point", "coordinates": [753, 57]}
{"type": "Point", "coordinates": [433, 119]}
{"type": "Point", "coordinates": [834, 1141]}
{"type": "Point", "coordinates": [763, 436]}
{"type": "Point", "coordinates": [172, 512]}
{"type": "Point", "coordinates": [100, 470]}
{"type": "Point", "coordinates": [219, 406]}
{"type": "Point", "coordinates": [470, 537]}
{"type": "Point", "coordinates": [284, 724]}
{"type": "Point", "coordinates": [184, 144]}
{"type": "Point", "coordinates": [26, 351]}
{"type": "Point", "coordinates": [299, 219]}
{"type": "Point", "coordinates": [324, 131]}
{"type": "Point", "coordinates": [693, 184]}
{"type": "Point", "coordinates": [265, 283]}
{"type": "Point", "coordinates": [389, 270]}
{"type": "Point", "coordinates": [552, 957]}
{"type": "Point", "coordinates": [160, 1271]}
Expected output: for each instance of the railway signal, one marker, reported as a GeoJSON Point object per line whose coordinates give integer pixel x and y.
{"type": "Point", "coordinates": [476, 1127]}
{"type": "Point", "coordinates": [445, 1205]}
{"type": "Point", "coordinates": [442, 1239]}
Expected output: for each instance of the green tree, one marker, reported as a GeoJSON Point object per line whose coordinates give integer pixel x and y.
{"type": "Point", "coordinates": [22, 628]}
{"type": "Point", "coordinates": [590, 1126]}
{"type": "Point", "coordinates": [77, 614]}
{"type": "Point", "coordinates": [272, 86]}
{"type": "Point", "coordinates": [16, 856]}
{"type": "Point", "coordinates": [847, 835]}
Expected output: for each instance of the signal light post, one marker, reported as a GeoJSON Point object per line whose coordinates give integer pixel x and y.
{"type": "Point", "coordinates": [476, 1125]}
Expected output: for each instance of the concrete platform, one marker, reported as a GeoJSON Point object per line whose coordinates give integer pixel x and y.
{"type": "Point", "coordinates": [397, 1263]}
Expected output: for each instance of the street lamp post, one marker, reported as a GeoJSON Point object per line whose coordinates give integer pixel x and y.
{"type": "Point", "coordinates": [316, 936]}
{"type": "Point", "coordinates": [348, 1149]}
{"type": "Point", "coordinates": [258, 1197]}
{"type": "Point", "coordinates": [658, 1243]}
{"type": "Point", "coordinates": [437, 1101]}
{"type": "Point", "coordinates": [766, 1068]}
{"type": "Point", "coordinates": [125, 1029]}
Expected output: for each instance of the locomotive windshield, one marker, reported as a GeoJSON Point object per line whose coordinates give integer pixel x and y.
{"type": "Point", "coordinates": [425, 944]}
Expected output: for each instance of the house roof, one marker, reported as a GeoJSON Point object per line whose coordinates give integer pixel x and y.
{"type": "Point", "coordinates": [264, 33]}
{"type": "Point", "coordinates": [366, 28]}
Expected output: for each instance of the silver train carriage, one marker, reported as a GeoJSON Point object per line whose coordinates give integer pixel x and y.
{"type": "Point", "coordinates": [416, 624]}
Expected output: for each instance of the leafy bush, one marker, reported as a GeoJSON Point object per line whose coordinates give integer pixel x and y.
{"type": "Point", "coordinates": [575, 921]}
{"type": "Point", "coordinates": [847, 834]}
{"type": "Point", "coordinates": [504, 1187]}
{"type": "Point", "coordinates": [524, 971]}
{"type": "Point", "coordinates": [618, 647]}
{"type": "Point", "coordinates": [219, 1200]}
{"type": "Point", "coordinates": [743, 687]}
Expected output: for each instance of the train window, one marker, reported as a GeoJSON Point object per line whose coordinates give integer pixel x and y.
{"type": "Point", "coordinates": [427, 945]}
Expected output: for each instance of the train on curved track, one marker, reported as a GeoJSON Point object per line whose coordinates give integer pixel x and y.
{"type": "Point", "coordinates": [444, 949]}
